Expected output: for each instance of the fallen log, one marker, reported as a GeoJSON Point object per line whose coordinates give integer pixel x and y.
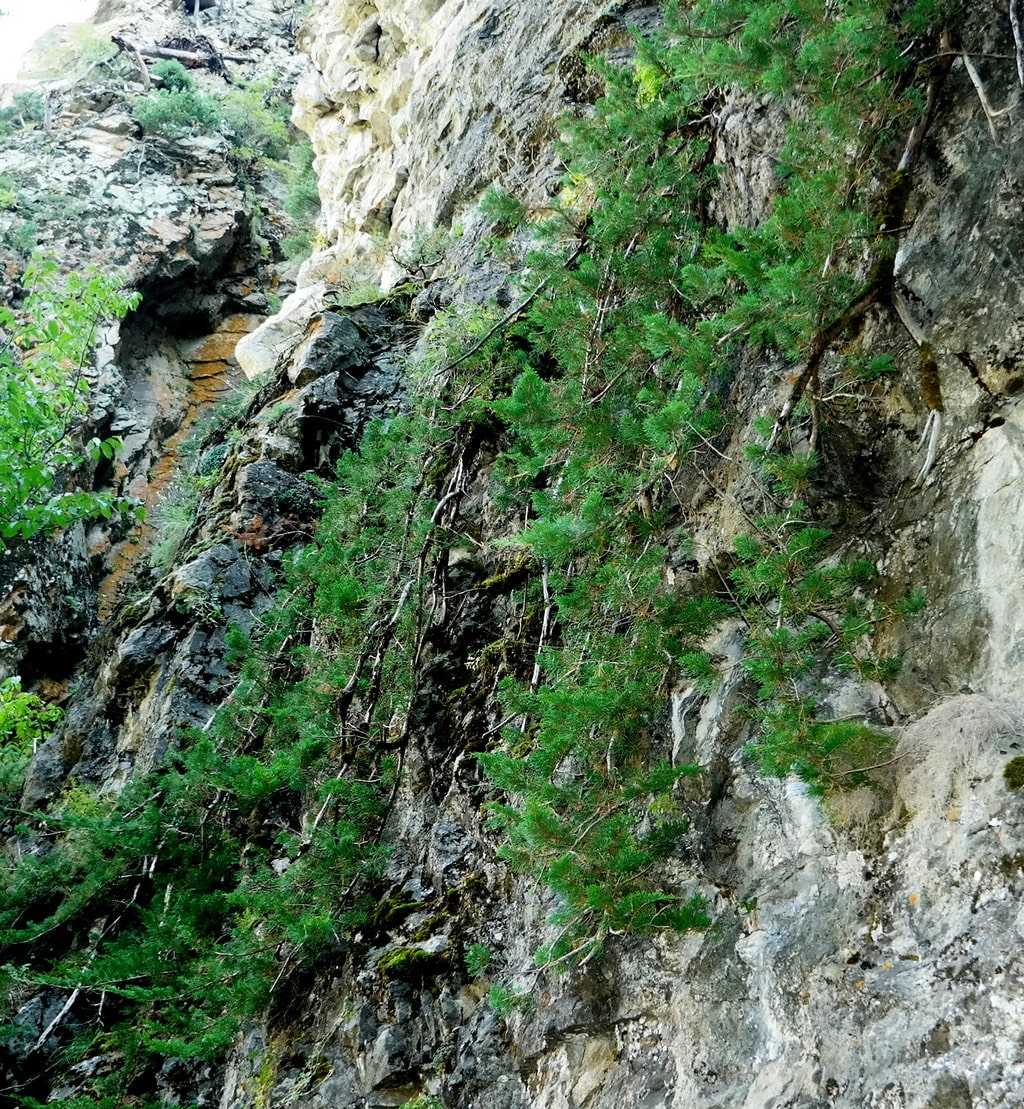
{"type": "Point", "coordinates": [189, 57]}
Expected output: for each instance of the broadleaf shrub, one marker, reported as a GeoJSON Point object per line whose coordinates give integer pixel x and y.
{"type": "Point", "coordinates": [44, 395]}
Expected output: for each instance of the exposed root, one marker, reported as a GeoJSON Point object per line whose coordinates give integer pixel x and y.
{"type": "Point", "coordinates": [991, 114]}
{"type": "Point", "coordinates": [1018, 39]}
{"type": "Point", "coordinates": [932, 433]}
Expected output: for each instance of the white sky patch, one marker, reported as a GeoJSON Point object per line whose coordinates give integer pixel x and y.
{"type": "Point", "coordinates": [23, 21]}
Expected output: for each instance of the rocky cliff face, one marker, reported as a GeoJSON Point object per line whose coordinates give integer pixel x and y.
{"type": "Point", "coordinates": [862, 952]}
{"type": "Point", "coordinates": [414, 111]}
{"type": "Point", "coordinates": [174, 217]}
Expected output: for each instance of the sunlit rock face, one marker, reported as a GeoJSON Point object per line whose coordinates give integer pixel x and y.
{"type": "Point", "coordinates": [415, 108]}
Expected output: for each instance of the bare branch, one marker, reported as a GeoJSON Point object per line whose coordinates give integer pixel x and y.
{"type": "Point", "coordinates": [510, 316]}
{"type": "Point", "coordinates": [126, 47]}
{"type": "Point", "coordinates": [191, 56]}
{"type": "Point", "coordinates": [545, 626]}
{"type": "Point", "coordinates": [1018, 39]}
{"type": "Point", "coordinates": [65, 1008]}
{"type": "Point", "coordinates": [991, 114]}
{"type": "Point", "coordinates": [932, 433]}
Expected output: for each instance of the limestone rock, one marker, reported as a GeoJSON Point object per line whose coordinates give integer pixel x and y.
{"type": "Point", "coordinates": [415, 108]}
{"type": "Point", "coordinates": [331, 343]}
{"type": "Point", "coordinates": [260, 352]}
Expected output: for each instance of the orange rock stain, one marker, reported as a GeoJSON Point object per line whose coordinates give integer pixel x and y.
{"type": "Point", "coordinates": [212, 374]}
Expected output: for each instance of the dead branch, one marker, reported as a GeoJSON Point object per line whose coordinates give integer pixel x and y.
{"type": "Point", "coordinates": [1018, 40]}
{"type": "Point", "coordinates": [58, 1018]}
{"type": "Point", "coordinates": [931, 435]}
{"type": "Point", "coordinates": [443, 503]}
{"type": "Point", "coordinates": [509, 316]}
{"type": "Point", "coordinates": [190, 57]}
{"type": "Point", "coordinates": [991, 114]}
{"type": "Point", "coordinates": [126, 47]}
{"type": "Point", "coordinates": [943, 64]}
{"type": "Point", "coordinates": [545, 626]}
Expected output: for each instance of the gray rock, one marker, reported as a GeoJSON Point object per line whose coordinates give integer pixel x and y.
{"type": "Point", "coordinates": [332, 344]}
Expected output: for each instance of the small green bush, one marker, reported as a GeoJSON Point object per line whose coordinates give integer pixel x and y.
{"type": "Point", "coordinates": [1013, 773]}
{"type": "Point", "coordinates": [302, 201]}
{"type": "Point", "coordinates": [175, 113]}
{"type": "Point", "coordinates": [29, 106]}
{"type": "Point", "coordinates": [8, 193]}
{"type": "Point", "coordinates": [44, 395]}
{"type": "Point", "coordinates": [24, 238]}
{"type": "Point", "coordinates": [297, 247]}
{"type": "Point", "coordinates": [504, 210]}
{"type": "Point", "coordinates": [24, 719]}
{"type": "Point", "coordinates": [258, 126]}
{"type": "Point", "coordinates": [26, 110]}
{"type": "Point", "coordinates": [424, 1101]}
{"type": "Point", "coordinates": [505, 1001]}
{"type": "Point", "coordinates": [172, 522]}
{"type": "Point", "coordinates": [478, 958]}
{"type": "Point", "coordinates": [175, 77]}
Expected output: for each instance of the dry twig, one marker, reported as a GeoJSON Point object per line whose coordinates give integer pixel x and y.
{"type": "Point", "coordinates": [991, 114]}
{"type": "Point", "coordinates": [1018, 39]}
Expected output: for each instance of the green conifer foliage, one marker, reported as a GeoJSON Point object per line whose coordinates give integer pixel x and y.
{"type": "Point", "coordinates": [242, 863]}
{"type": "Point", "coordinates": [647, 302]}
{"type": "Point", "coordinates": [226, 875]}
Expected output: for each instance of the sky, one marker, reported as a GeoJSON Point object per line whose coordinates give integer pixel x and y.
{"type": "Point", "coordinates": [24, 21]}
